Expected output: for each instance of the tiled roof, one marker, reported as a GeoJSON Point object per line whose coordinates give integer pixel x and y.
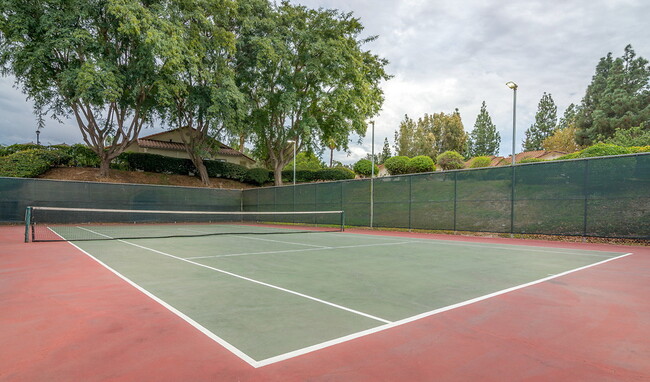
{"type": "Point", "coordinates": [177, 146]}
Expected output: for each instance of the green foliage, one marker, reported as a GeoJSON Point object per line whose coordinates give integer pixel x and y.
{"type": "Point", "coordinates": [640, 149]}
{"type": "Point", "coordinates": [599, 150]}
{"type": "Point", "coordinates": [532, 160]}
{"type": "Point", "coordinates": [157, 163]}
{"type": "Point", "coordinates": [305, 161]}
{"type": "Point", "coordinates": [634, 136]}
{"type": "Point", "coordinates": [82, 156]}
{"type": "Point", "coordinates": [450, 160]}
{"type": "Point", "coordinates": [8, 150]}
{"type": "Point", "coordinates": [421, 163]}
{"type": "Point", "coordinates": [618, 98]}
{"type": "Point", "coordinates": [431, 135]}
{"type": "Point", "coordinates": [385, 152]}
{"type": "Point", "coordinates": [309, 76]}
{"type": "Point", "coordinates": [478, 162]}
{"type": "Point", "coordinates": [364, 167]}
{"type": "Point", "coordinates": [258, 176]}
{"type": "Point", "coordinates": [30, 163]}
{"type": "Point", "coordinates": [544, 126]}
{"type": "Point", "coordinates": [397, 165]}
{"type": "Point", "coordinates": [219, 169]}
{"type": "Point", "coordinates": [336, 173]}
{"type": "Point", "coordinates": [484, 139]}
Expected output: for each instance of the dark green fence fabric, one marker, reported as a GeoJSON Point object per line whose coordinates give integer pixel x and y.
{"type": "Point", "coordinates": [18, 193]}
{"type": "Point", "coordinates": [604, 197]}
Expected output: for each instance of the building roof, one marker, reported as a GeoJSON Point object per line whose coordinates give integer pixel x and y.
{"type": "Point", "coordinates": [150, 142]}
{"type": "Point", "coordinates": [538, 154]}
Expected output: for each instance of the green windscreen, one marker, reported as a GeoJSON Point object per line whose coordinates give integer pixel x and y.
{"type": "Point", "coordinates": [606, 197]}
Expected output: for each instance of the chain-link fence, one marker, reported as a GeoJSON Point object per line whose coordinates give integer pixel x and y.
{"type": "Point", "coordinates": [604, 197]}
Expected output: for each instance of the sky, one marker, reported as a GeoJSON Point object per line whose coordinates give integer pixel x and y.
{"type": "Point", "coordinates": [449, 54]}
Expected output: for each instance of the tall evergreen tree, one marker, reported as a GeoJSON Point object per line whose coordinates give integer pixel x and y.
{"type": "Point", "coordinates": [544, 126]}
{"type": "Point", "coordinates": [385, 152]}
{"type": "Point", "coordinates": [484, 139]}
{"type": "Point", "coordinates": [405, 137]}
{"type": "Point", "coordinates": [568, 118]}
{"type": "Point", "coordinates": [617, 98]}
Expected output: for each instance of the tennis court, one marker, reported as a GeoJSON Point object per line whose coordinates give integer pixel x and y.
{"type": "Point", "coordinates": [271, 293]}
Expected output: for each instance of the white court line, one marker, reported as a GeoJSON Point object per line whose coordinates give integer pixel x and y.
{"type": "Point", "coordinates": [249, 279]}
{"type": "Point", "coordinates": [177, 312]}
{"type": "Point", "coordinates": [254, 238]}
{"type": "Point", "coordinates": [337, 341]}
{"type": "Point", "coordinates": [297, 250]}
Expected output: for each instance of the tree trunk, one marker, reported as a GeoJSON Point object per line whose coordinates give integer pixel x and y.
{"type": "Point", "coordinates": [277, 174]}
{"type": "Point", "coordinates": [104, 166]}
{"type": "Point", "coordinates": [331, 156]}
{"type": "Point", "coordinates": [203, 171]}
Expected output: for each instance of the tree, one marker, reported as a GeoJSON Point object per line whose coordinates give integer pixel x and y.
{"type": "Point", "coordinates": [485, 139]}
{"type": "Point", "coordinates": [385, 152]}
{"type": "Point", "coordinates": [617, 98]}
{"type": "Point", "coordinates": [96, 61]}
{"type": "Point", "coordinates": [450, 160]}
{"type": "Point", "coordinates": [405, 137]}
{"type": "Point", "coordinates": [199, 95]}
{"type": "Point", "coordinates": [562, 140]}
{"type": "Point", "coordinates": [450, 132]}
{"type": "Point", "coordinates": [569, 117]}
{"type": "Point", "coordinates": [544, 126]}
{"type": "Point", "coordinates": [635, 136]}
{"type": "Point", "coordinates": [307, 79]}
{"type": "Point", "coordinates": [306, 161]}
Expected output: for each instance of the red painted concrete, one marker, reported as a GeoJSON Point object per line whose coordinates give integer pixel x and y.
{"type": "Point", "coordinates": [63, 317]}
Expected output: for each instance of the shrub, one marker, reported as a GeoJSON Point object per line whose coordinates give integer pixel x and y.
{"type": "Point", "coordinates": [634, 136]}
{"type": "Point", "coordinates": [450, 160]}
{"type": "Point", "coordinates": [258, 176]}
{"type": "Point", "coordinates": [11, 149]}
{"type": "Point", "coordinates": [531, 160]}
{"type": "Point", "coordinates": [28, 163]}
{"type": "Point", "coordinates": [640, 149]}
{"type": "Point", "coordinates": [397, 165]}
{"type": "Point", "coordinates": [421, 163]}
{"type": "Point", "coordinates": [599, 150]}
{"type": "Point", "coordinates": [157, 163]}
{"type": "Point", "coordinates": [336, 173]}
{"type": "Point", "coordinates": [219, 169]}
{"type": "Point", "coordinates": [478, 162]}
{"type": "Point", "coordinates": [364, 167]}
{"type": "Point", "coordinates": [82, 156]}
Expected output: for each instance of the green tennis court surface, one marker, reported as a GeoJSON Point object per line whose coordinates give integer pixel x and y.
{"type": "Point", "coordinates": [273, 296]}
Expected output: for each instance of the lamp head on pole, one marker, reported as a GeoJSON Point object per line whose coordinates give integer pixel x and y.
{"type": "Point", "coordinates": [511, 85]}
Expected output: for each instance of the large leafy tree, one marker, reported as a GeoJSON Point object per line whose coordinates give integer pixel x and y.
{"type": "Point", "coordinates": [199, 95]}
{"type": "Point", "coordinates": [545, 123]}
{"type": "Point", "coordinates": [450, 132]}
{"type": "Point", "coordinates": [617, 98]}
{"type": "Point", "coordinates": [307, 78]}
{"type": "Point", "coordinates": [96, 61]}
{"type": "Point", "coordinates": [431, 135]}
{"type": "Point", "coordinates": [484, 139]}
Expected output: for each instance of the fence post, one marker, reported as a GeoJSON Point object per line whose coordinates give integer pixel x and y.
{"type": "Point", "coordinates": [28, 222]}
{"type": "Point", "coordinates": [585, 192]}
{"type": "Point", "coordinates": [512, 203]}
{"type": "Point", "coordinates": [455, 197]}
{"type": "Point", "coordinates": [410, 199]}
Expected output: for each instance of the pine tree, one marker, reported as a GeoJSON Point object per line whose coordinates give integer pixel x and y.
{"type": "Point", "coordinates": [569, 117]}
{"type": "Point", "coordinates": [485, 139]}
{"type": "Point", "coordinates": [544, 126]}
{"type": "Point", "coordinates": [385, 152]}
{"type": "Point", "coordinates": [405, 137]}
{"type": "Point", "coordinates": [617, 98]}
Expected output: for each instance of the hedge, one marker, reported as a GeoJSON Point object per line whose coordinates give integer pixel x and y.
{"type": "Point", "coordinates": [30, 163]}
{"type": "Point", "coordinates": [450, 160]}
{"type": "Point", "coordinates": [364, 167]}
{"type": "Point", "coordinates": [478, 162]}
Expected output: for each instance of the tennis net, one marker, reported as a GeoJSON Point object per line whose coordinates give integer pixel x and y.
{"type": "Point", "coordinates": [78, 224]}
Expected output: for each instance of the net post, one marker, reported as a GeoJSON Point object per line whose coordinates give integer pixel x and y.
{"type": "Point", "coordinates": [342, 221]}
{"type": "Point", "coordinates": [28, 222]}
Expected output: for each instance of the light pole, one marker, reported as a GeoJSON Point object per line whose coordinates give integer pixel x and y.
{"type": "Point", "coordinates": [372, 174]}
{"type": "Point", "coordinates": [38, 140]}
{"type": "Point", "coordinates": [294, 160]}
{"type": "Point", "coordinates": [513, 86]}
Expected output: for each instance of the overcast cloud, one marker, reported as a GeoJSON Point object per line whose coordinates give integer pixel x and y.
{"type": "Point", "coordinates": [451, 54]}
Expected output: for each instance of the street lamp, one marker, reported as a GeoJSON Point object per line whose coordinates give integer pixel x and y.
{"type": "Point", "coordinates": [294, 160]}
{"type": "Point", "coordinates": [513, 86]}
